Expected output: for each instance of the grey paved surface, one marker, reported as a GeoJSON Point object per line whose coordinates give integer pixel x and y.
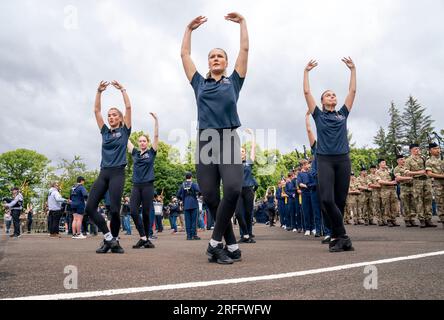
{"type": "Point", "coordinates": [34, 264]}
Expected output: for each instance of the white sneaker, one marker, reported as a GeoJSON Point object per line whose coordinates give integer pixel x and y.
{"type": "Point", "coordinates": [294, 230]}
{"type": "Point", "coordinates": [307, 233]}
{"type": "Point", "coordinates": [81, 236]}
{"type": "Point", "coordinates": [313, 232]}
{"type": "Point", "coordinates": [284, 227]}
{"type": "Point", "coordinates": [74, 236]}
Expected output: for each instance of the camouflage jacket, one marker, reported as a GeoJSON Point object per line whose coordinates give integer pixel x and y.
{"type": "Point", "coordinates": [384, 175]}
{"type": "Point", "coordinates": [415, 163]}
{"type": "Point", "coordinates": [400, 172]}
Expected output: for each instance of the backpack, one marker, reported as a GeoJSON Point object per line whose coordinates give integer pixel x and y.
{"type": "Point", "coordinates": [188, 189]}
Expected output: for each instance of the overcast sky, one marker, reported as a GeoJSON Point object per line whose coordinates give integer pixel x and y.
{"type": "Point", "coordinates": [50, 67]}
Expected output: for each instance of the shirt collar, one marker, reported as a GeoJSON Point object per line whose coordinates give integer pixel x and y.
{"type": "Point", "coordinates": [210, 79]}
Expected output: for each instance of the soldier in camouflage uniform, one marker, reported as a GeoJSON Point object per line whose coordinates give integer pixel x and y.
{"type": "Point", "coordinates": [436, 171]}
{"type": "Point", "coordinates": [388, 194]}
{"type": "Point", "coordinates": [353, 198]}
{"type": "Point", "coordinates": [406, 185]}
{"type": "Point", "coordinates": [377, 208]}
{"type": "Point", "coordinates": [364, 198]}
{"type": "Point", "coordinates": [422, 186]}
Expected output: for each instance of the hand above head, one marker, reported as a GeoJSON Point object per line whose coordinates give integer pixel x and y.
{"type": "Point", "coordinates": [235, 17]}
{"type": "Point", "coordinates": [102, 86]}
{"type": "Point", "coordinates": [249, 131]}
{"type": "Point", "coordinates": [197, 22]}
{"type": "Point", "coordinates": [311, 65]}
{"type": "Point", "coordinates": [349, 63]}
{"type": "Point", "coordinates": [117, 85]}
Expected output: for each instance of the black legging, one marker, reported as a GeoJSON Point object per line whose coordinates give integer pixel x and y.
{"type": "Point", "coordinates": [209, 175]}
{"type": "Point", "coordinates": [245, 205]}
{"type": "Point", "coordinates": [142, 194]}
{"type": "Point", "coordinates": [111, 179]}
{"type": "Point", "coordinates": [334, 181]}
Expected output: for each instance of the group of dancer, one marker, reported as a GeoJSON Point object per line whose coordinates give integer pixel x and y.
{"type": "Point", "coordinates": [216, 98]}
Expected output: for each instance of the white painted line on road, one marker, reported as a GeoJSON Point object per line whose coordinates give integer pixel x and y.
{"type": "Point", "coordinates": [188, 285]}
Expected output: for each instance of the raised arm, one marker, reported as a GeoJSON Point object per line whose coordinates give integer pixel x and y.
{"type": "Point", "coordinates": [130, 146]}
{"type": "Point", "coordinates": [310, 134]}
{"type": "Point", "coordinates": [126, 100]}
{"type": "Point", "coordinates": [156, 131]}
{"type": "Point", "coordinates": [352, 88]}
{"type": "Point", "coordinates": [311, 103]}
{"type": "Point", "coordinates": [98, 103]}
{"type": "Point", "coordinates": [242, 59]}
{"type": "Point", "coordinates": [253, 144]}
{"type": "Point", "coordinates": [185, 53]}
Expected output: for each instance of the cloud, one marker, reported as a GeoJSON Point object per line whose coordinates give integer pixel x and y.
{"type": "Point", "coordinates": [48, 74]}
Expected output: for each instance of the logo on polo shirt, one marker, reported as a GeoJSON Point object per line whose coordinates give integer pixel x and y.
{"type": "Point", "coordinates": [226, 81]}
{"type": "Point", "coordinates": [145, 156]}
{"type": "Point", "coordinates": [339, 116]}
{"type": "Point", "coordinates": [116, 134]}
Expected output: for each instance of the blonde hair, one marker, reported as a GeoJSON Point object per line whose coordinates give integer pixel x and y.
{"type": "Point", "coordinates": [146, 136]}
{"type": "Point", "coordinates": [226, 58]}
{"type": "Point", "coordinates": [120, 115]}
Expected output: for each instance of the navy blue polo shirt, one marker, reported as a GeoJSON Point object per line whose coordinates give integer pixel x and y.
{"type": "Point", "coordinates": [143, 167]}
{"type": "Point", "coordinates": [249, 180]}
{"type": "Point", "coordinates": [78, 196]}
{"type": "Point", "coordinates": [290, 188]}
{"type": "Point", "coordinates": [189, 197]}
{"type": "Point", "coordinates": [279, 196]}
{"type": "Point", "coordinates": [304, 177]}
{"type": "Point", "coordinates": [114, 143]}
{"type": "Point", "coordinates": [332, 131]}
{"type": "Point", "coordinates": [217, 101]}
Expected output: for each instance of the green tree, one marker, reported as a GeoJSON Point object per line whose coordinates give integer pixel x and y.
{"type": "Point", "coordinates": [394, 133]}
{"type": "Point", "coordinates": [22, 168]}
{"type": "Point", "coordinates": [416, 125]}
{"type": "Point", "coordinates": [70, 171]}
{"type": "Point", "coordinates": [363, 157]}
{"type": "Point", "coordinates": [381, 141]}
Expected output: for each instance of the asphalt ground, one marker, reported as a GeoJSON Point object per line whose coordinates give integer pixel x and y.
{"type": "Point", "coordinates": [34, 265]}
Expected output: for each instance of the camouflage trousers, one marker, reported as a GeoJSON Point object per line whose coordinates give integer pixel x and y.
{"type": "Point", "coordinates": [422, 198]}
{"type": "Point", "coordinates": [389, 204]}
{"type": "Point", "coordinates": [352, 204]}
{"type": "Point", "coordinates": [377, 205]}
{"type": "Point", "coordinates": [438, 188]}
{"type": "Point", "coordinates": [365, 201]}
{"type": "Point", "coordinates": [407, 202]}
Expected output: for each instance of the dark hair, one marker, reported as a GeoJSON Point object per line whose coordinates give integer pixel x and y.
{"type": "Point", "coordinates": [15, 189]}
{"type": "Point", "coordinates": [188, 175]}
{"type": "Point", "coordinates": [80, 179]}
{"type": "Point", "coordinates": [322, 97]}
